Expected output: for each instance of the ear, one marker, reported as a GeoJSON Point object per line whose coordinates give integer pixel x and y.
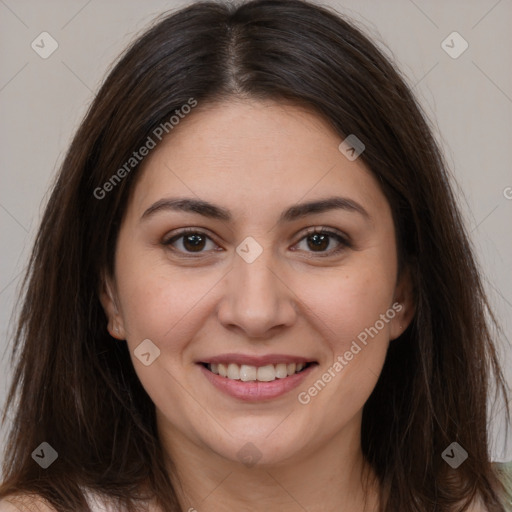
{"type": "Point", "coordinates": [108, 299]}
{"type": "Point", "coordinates": [404, 304]}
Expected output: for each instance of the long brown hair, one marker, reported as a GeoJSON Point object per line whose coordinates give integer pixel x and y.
{"type": "Point", "coordinates": [75, 387]}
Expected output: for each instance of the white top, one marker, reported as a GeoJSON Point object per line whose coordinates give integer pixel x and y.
{"type": "Point", "coordinates": [97, 504]}
{"type": "Point", "coordinates": [102, 503]}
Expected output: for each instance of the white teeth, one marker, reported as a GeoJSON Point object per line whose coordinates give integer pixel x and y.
{"type": "Point", "coordinates": [248, 373]}
{"type": "Point", "coordinates": [281, 371]}
{"type": "Point", "coordinates": [234, 371]}
{"type": "Point", "coordinates": [223, 371]}
{"type": "Point", "coordinates": [266, 373]}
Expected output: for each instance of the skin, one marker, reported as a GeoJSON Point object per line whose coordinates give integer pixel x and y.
{"type": "Point", "coordinates": [256, 159]}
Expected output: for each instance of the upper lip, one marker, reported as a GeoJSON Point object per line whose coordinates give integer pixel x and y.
{"type": "Point", "coordinates": [251, 360]}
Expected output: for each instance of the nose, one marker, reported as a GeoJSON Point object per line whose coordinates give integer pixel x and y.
{"type": "Point", "coordinates": [258, 300]}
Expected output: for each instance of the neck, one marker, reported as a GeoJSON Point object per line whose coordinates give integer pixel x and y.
{"type": "Point", "coordinates": [331, 477]}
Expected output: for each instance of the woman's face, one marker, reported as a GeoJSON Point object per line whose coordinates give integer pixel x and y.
{"type": "Point", "coordinates": [250, 290]}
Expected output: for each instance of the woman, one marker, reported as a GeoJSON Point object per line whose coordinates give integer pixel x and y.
{"type": "Point", "coordinates": [252, 288]}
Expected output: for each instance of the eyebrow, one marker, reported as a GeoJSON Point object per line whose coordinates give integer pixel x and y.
{"type": "Point", "coordinates": [213, 211]}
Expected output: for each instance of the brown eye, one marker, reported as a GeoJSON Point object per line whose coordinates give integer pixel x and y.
{"type": "Point", "coordinates": [320, 240]}
{"type": "Point", "coordinates": [189, 241]}
{"type": "Point", "coordinates": [194, 242]}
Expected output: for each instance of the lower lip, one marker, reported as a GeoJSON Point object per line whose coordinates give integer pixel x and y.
{"type": "Point", "coordinates": [254, 391]}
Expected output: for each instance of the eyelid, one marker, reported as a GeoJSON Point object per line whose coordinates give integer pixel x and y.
{"type": "Point", "coordinates": [325, 230]}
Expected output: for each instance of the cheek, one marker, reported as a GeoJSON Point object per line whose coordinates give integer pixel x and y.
{"type": "Point", "coordinates": [162, 305]}
{"type": "Point", "coordinates": [349, 302]}
{"type": "Point", "coordinates": [356, 313]}
{"type": "Point", "coordinates": [159, 300]}
{"type": "Point", "coordinates": [353, 316]}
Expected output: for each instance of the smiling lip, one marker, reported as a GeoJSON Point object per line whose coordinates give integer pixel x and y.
{"type": "Point", "coordinates": [255, 391]}
{"type": "Point", "coordinates": [255, 360]}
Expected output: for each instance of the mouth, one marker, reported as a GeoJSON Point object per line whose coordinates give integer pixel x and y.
{"type": "Point", "coordinates": [254, 379]}
{"type": "Point", "coordinates": [252, 373]}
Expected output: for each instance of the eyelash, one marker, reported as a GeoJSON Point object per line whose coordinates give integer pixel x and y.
{"type": "Point", "coordinates": [343, 241]}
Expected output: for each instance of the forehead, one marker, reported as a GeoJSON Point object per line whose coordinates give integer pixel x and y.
{"type": "Point", "coordinates": [250, 156]}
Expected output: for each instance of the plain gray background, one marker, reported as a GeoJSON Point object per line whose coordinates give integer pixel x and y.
{"type": "Point", "coordinates": [468, 100]}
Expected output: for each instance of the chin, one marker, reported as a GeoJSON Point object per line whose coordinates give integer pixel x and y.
{"type": "Point", "coordinates": [253, 449]}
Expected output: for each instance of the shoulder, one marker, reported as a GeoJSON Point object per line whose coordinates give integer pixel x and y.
{"type": "Point", "coordinates": [477, 506]}
{"type": "Point", "coordinates": [33, 503]}
{"type": "Point", "coordinates": [25, 503]}
{"type": "Point", "coordinates": [504, 472]}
